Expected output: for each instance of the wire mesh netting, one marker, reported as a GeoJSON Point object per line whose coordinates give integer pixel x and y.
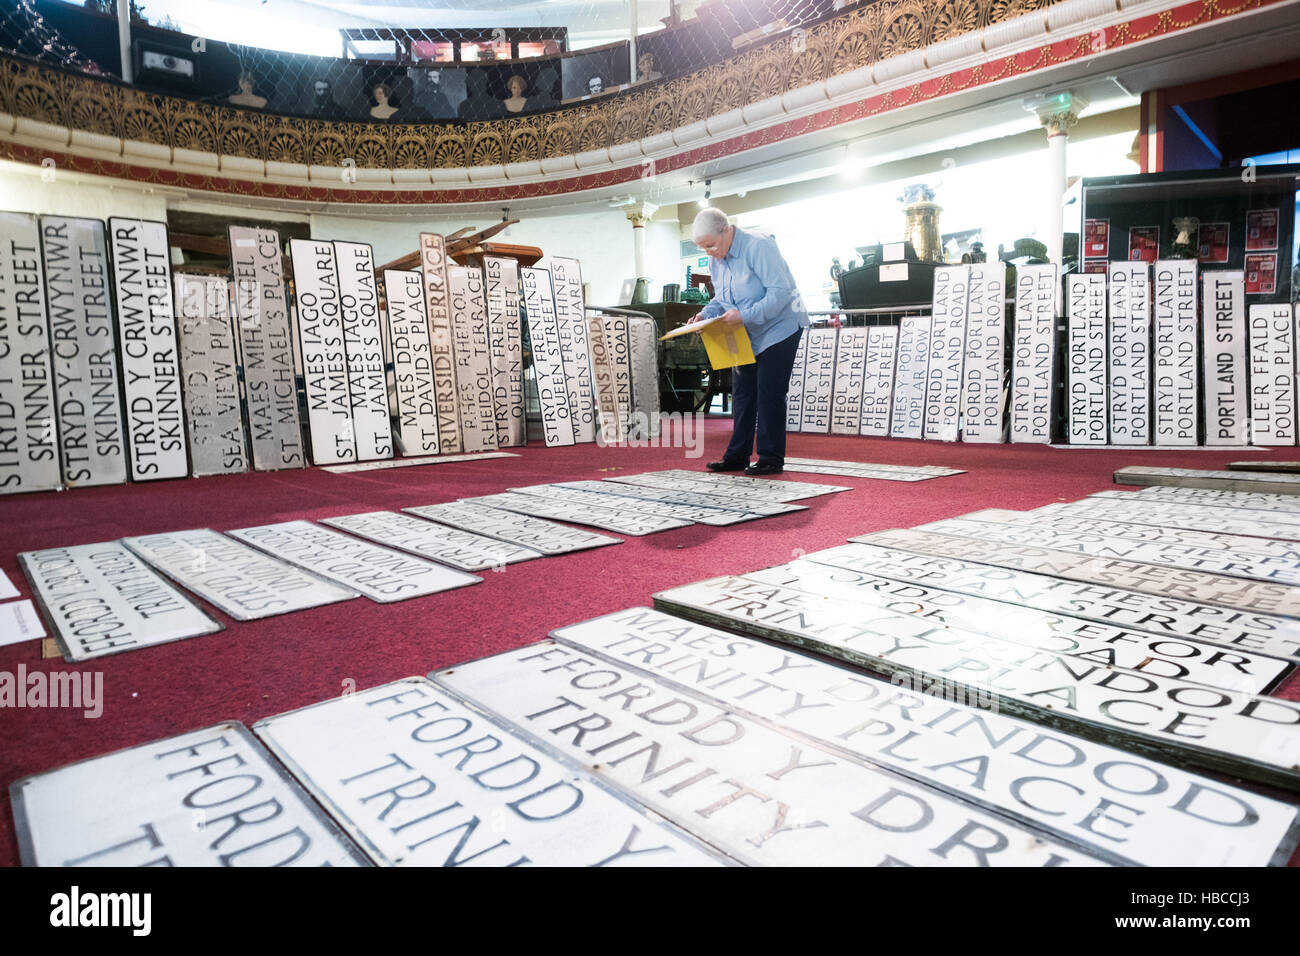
{"type": "Point", "coordinates": [403, 61]}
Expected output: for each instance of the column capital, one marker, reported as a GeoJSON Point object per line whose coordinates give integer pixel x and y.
{"type": "Point", "coordinates": [1057, 112]}
{"type": "Point", "coordinates": [638, 214]}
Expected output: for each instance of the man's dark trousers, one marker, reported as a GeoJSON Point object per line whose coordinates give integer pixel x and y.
{"type": "Point", "coordinates": [758, 392]}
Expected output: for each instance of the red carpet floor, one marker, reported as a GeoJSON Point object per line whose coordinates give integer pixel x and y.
{"type": "Point", "coordinates": [254, 669]}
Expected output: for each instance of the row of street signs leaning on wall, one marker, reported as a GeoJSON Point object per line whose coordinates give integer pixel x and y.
{"type": "Point", "coordinates": [1087, 684]}
{"type": "Point", "coordinates": [112, 368]}
{"type": "Point", "coordinates": [1146, 354]}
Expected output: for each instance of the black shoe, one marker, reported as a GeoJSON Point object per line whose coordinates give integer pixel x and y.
{"type": "Point", "coordinates": [761, 468]}
{"type": "Point", "coordinates": [727, 465]}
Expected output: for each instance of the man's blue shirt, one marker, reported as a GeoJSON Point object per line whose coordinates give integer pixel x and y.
{"type": "Point", "coordinates": [753, 278]}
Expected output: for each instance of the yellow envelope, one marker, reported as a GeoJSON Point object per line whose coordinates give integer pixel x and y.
{"type": "Point", "coordinates": [727, 346]}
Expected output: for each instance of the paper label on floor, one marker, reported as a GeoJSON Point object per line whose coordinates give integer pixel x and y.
{"type": "Point", "coordinates": [19, 622]}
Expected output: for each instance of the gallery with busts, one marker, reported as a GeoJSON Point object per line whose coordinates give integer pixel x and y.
{"type": "Point", "coordinates": [800, 433]}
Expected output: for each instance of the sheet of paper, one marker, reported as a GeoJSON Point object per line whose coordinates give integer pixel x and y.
{"type": "Point", "coordinates": [7, 589]}
{"type": "Point", "coordinates": [19, 622]}
{"type": "Point", "coordinates": [690, 327]}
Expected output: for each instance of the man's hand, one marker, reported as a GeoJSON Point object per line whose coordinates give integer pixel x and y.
{"type": "Point", "coordinates": [731, 318]}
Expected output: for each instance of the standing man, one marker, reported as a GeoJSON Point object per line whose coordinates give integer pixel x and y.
{"type": "Point", "coordinates": [753, 287]}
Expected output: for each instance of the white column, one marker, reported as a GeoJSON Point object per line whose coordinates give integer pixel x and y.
{"type": "Point", "coordinates": [631, 43]}
{"type": "Point", "coordinates": [1053, 214]}
{"type": "Point", "coordinates": [124, 40]}
{"type": "Point", "coordinates": [638, 215]}
{"type": "Point", "coordinates": [1057, 113]}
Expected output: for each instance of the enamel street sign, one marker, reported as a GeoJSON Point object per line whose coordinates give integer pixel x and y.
{"type": "Point", "coordinates": [87, 382]}
{"type": "Point", "coordinates": [378, 761]}
{"type": "Point", "coordinates": [265, 346]}
{"type": "Point", "coordinates": [1189, 724]}
{"type": "Point", "coordinates": [378, 573]}
{"type": "Point", "coordinates": [324, 360]}
{"type": "Point", "coordinates": [1108, 801]}
{"type": "Point", "coordinates": [460, 549]}
{"type": "Point", "coordinates": [737, 784]}
{"type": "Point", "coordinates": [608, 518]}
{"type": "Point", "coordinates": [1132, 610]}
{"type": "Point", "coordinates": [538, 534]}
{"type": "Point", "coordinates": [211, 797]}
{"type": "Point", "coordinates": [101, 599]}
{"type": "Point", "coordinates": [1051, 633]}
{"type": "Point", "coordinates": [210, 365]}
{"type": "Point", "coordinates": [147, 348]}
{"type": "Point", "coordinates": [944, 375]}
{"type": "Point", "coordinates": [241, 581]}
{"type": "Point", "coordinates": [985, 367]}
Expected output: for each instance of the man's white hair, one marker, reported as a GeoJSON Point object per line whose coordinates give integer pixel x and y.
{"type": "Point", "coordinates": [709, 222]}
